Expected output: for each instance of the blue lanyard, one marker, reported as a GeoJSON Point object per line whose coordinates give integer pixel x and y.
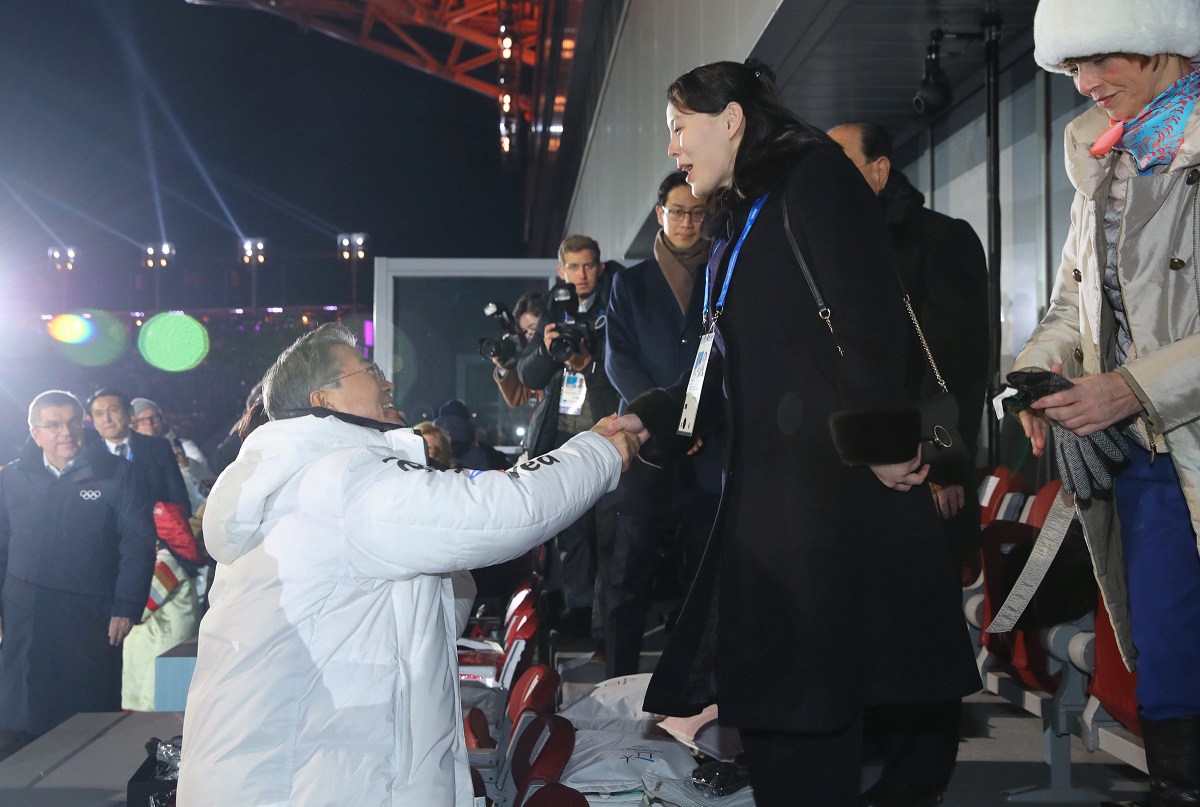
{"type": "Point", "coordinates": [711, 316]}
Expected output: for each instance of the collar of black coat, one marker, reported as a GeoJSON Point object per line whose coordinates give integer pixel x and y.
{"type": "Point", "coordinates": [899, 198]}
{"type": "Point", "coordinates": [355, 420]}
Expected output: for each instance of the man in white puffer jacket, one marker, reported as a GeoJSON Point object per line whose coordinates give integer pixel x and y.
{"type": "Point", "coordinates": [326, 672]}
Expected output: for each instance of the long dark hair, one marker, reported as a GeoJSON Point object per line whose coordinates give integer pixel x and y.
{"type": "Point", "coordinates": [773, 139]}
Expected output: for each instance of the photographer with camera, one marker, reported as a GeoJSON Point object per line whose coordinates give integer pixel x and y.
{"type": "Point", "coordinates": [565, 359]}
{"type": "Point", "coordinates": [519, 326]}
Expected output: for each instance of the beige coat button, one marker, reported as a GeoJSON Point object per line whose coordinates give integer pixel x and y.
{"type": "Point", "coordinates": [1193, 176]}
{"type": "Point", "coordinates": [1176, 264]}
{"type": "Point", "coordinates": [1078, 354]}
{"type": "Point", "coordinates": [1078, 275]}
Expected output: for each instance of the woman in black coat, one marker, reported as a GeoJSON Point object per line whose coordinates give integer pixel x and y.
{"type": "Point", "coordinates": [824, 587]}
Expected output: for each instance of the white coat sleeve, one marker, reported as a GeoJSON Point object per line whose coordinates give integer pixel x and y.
{"type": "Point", "coordinates": [403, 519]}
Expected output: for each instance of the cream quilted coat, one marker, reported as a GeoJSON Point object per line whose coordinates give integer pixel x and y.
{"type": "Point", "coordinates": [1156, 262]}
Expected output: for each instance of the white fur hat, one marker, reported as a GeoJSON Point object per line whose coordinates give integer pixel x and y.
{"type": "Point", "coordinates": [1068, 29]}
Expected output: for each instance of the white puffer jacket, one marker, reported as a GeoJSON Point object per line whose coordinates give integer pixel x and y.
{"type": "Point", "coordinates": [326, 672]}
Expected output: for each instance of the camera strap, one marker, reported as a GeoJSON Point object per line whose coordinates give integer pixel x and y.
{"type": "Point", "coordinates": [691, 399]}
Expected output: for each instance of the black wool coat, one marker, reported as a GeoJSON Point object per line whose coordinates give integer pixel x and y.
{"type": "Point", "coordinates": [821, 590]}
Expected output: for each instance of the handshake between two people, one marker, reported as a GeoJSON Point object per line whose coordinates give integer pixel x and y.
{"type": "Point", "coordinates": [626, 433]}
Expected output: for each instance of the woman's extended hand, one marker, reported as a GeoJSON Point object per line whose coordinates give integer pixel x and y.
{"type": "Point", "coordinates": [902, 475]}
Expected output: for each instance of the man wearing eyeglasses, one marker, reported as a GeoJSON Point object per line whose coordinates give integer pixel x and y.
{"type": "Point", "coordinates": [576, 394]}
{"type": "Point", "coordinates": [193, 465]}
{"type": "Point", "coordinates": [326, 670]}
{"type": "Point", "coordinates": [654, 328]}
{"type": "Point", "coordinates": [76, 555]}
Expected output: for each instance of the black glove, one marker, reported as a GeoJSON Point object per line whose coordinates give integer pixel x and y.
{"type": "Point", "coordinates": [1030, 385]}
{"type": "Point", "coordinates": [1084, 463]}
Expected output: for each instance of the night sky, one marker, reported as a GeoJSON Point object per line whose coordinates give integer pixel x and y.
{"type": "Point", "coordinates": [281, 120]}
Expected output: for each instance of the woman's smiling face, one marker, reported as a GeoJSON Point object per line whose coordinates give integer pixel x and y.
{"type": "Point", "coordinates": [705, 146]}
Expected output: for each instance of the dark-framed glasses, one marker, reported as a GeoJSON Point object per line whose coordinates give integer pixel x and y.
{"type": "Point", "coordinates": [678, 214]}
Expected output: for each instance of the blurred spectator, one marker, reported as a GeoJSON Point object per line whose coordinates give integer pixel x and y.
{"type": "Point", "coordinates": [197, 476]}
{"type": "Point", "coordinates": [227, 450]}
{"type": "Point", "coordinates": [455, 419]}
{"type": "Point", "coordinates": [76, 557]}
{"type": "Point", "coordinates": [437, 444]}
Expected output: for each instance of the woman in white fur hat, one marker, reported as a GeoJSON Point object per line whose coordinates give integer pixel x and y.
{"type": "Point", "coordinates": [1126, 312]}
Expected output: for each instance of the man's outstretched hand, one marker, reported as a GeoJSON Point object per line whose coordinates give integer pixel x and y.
{"type": "Point", "coordinates": [627, 441]}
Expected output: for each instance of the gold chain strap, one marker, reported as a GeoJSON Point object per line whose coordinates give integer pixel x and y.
{"type": "Point", "coordinates": [925, 345]}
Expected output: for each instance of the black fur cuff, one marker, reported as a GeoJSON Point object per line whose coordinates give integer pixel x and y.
{"type": "Point", "coordinates": [876, 436]}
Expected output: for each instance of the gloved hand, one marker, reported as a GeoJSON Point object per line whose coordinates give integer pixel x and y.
{"type": "Point", "coordinates": [1083, 462]}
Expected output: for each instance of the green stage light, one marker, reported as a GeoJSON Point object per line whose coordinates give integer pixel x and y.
{"type": "Point", "coordinates": [173, 342]}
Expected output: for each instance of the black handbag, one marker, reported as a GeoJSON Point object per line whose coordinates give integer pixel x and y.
{"type": "Point", "coordinates": [940, 441]}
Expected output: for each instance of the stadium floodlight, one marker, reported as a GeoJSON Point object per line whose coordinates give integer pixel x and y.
{"type": "Point", "coordinates": [353, 248]}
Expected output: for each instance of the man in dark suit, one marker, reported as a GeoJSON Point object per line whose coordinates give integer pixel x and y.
{"type": "Point", "coordinates": [152, 457]}
{"type": "Point", "coordinates": [942, 266]}
{"type": "Point", "coordinates": [654, 328]}
{"type": "Point", "coordinates": [76, 558]}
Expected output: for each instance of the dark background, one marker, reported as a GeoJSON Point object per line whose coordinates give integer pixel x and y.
{"type": "Point", "coordinates": [301, 136]}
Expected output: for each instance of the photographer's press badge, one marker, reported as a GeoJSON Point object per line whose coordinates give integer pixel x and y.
{"type": "Point", "coordinates": [574, 390]}
{"type": "Point", "coordinates": [691, 399]}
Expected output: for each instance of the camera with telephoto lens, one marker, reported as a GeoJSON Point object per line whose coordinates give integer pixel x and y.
{"type": "Point", "coordinates": [562, 309]}
{"type": "Point", "coordinates": [506, 347]}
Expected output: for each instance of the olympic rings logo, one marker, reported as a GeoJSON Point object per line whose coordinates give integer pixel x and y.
{"type": "Point", "coordinates": [89, 495]}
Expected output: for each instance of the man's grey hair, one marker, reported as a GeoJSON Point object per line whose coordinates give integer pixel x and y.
{"type": "Point", "coordinates": [49, 398]}
{"type": "Point", "coordinates": [304, 367]}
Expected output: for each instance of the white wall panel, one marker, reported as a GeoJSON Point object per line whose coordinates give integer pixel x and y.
{"type": "Point", "coordinates": [626, 156]}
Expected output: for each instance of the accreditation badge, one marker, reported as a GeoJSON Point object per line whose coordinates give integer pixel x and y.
{"type": "Point", "coordinates": [574, 392]}
{"type": "Point", "coordinates": [691, 399]}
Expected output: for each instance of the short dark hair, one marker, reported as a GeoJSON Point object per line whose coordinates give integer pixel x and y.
{"type": "Point", "coordinates": [874, 140]}
{"type": "Point", "coordinates": [672, 181]}
{"type": "Point", "coordinates": [109, 392]}
{"type": "Point", "coordinates": [578, 243]}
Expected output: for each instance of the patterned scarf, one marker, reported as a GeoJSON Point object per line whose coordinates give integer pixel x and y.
{"type": "Point", "coordinates": [1155, 135]}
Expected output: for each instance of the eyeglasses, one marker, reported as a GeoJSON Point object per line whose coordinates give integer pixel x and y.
{"type": "Point", "coordinates": [71, 425]}
{"type": "Point", "coordinates": [678, 214]}
{"type": "Point", "coordinates": [590, 266]}
{"type": "Point", "coordinates": [146, 419]}
{"type": "Point", "coordinates": [373, 368]}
